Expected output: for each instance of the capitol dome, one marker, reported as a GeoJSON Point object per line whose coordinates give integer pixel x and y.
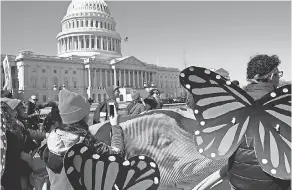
{"type": "Point", "coordinates": [89, 30]}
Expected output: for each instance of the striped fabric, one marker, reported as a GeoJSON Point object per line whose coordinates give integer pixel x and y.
{"type": "Point", "coordinates": [166, 137]}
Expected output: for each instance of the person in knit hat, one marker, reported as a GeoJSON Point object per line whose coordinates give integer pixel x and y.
{"type": "Point", "coordinates": [136, 106]}
{"type": "Point", "coordinates": [113, 93]}
{"type": "Point", "coordinates": [74, 111]}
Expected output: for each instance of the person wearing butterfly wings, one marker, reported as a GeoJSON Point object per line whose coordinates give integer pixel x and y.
{"type": "Point", "coordinates": [74, 111]}
{"type": "Point", "coordinates": [251, 127]}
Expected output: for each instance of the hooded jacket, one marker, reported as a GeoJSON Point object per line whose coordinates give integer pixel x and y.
{"type": "Point", "coordinates": [245, 172]}
{"type": "Point", "coordinates": [60, 141]}
{"type": "Point", "coordinates": [103, 107]}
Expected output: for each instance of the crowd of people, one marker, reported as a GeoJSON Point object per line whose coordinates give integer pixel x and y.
{"type": "Point", "coordinates": [35, 148]}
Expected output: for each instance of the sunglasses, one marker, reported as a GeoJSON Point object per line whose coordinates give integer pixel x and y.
{"type": "Point", "coordinates": [280, 74]}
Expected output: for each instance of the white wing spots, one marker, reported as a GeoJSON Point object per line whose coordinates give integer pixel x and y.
{"type": "Point", "coordinates": [196, 79]}
{"type": "Point", "coordinates": [283, 107]}
{"type": "Point", "coordinates": [285, 90]}
{"type": "Point", "coordinates": [199, 140]}
{"type": "Point", "coordinates": [201, 150]}
{"type": "Point", "coordinates": [287, 165]}
{"type": "Point", "coordinates": [273, 171]}
{"type": "Point", "coordinates": [233, 120]}
{"type": "Point", "coordinates": [238, 94]}
{"type": "Point", "coordinates": [202, 123]}
{"type": "Point", "coordinates": [112, 158]}
{"type": "Point", "coordinates": [274, 151]}
{"type": "Point", "coordinates": [228, 82]}
{"type": "Point", "coordinates": [262, 133]}
{"type": "Point", "coordinates": [126, 163]}
{"type": "Point", "coordinates": [264, 161]}
{"type": "Point", "coordinates": [95, 156]}
{"type": "Point", "coordinates": [273, 94]}
{"type": "Point", "coordinates": [188, 86]}
{"type": "Point", "coordinates": [207, 71]}
{"type": "Point", "coordinates": [141, 157]}
{"type": "Point", "coordinates": [71, 153]}
{"type": "Point", "coordinates": [152, 164]}
{"type": "Point", "coordinates": [211, 129]}
{"type": "Point", "coordinates": [70, 170]}
{"type": "Point", "coordinates": [227, 140]}
{"type": "Point", "coordinates": [155, 181]}
{"type": "Point", "coordinates": [221, 110]}
{"type": "Point", "coordinates": [83, 149]}
{"type": "Point", "coordinates": [213, 155]}
{"type": "Point", "coordinates": [218, 77]}
{"type": "Point", "coordinates": [210, 144]}
{"type": "Point", "coordinates": [284, 118]}
{"type": "Point", "coordinates": [207, 101]}
{"type": "Point", "coordinates": [243, 129]}
{"type": "Point", "coordinates": [277, 128]}
{"type": "Point", "coordinates": [182, 75]}
{"type": "Point", "coordinates": [280, 97]}
{"type": "Point", "coordinates": [213, 82]}
{"type": "Point", "coordinates": [197, 132]}
{"type": "Point", "coordinates": [192, 69]}
{"type": "Point", "coordinates": [196, 111]}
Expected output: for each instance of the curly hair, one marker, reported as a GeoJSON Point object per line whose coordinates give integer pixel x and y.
{"type": "Point", "coordinates": [261, 65]}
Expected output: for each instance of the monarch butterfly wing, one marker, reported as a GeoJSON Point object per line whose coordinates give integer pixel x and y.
{"type": "Point", "coordinates": [222, 109]}
{"type": "Point", "coordinates": [273, 137]}
{"type": "Point", "coordinates": [3, 144]}
{"type": "Point", "coordinates": [140, 173]}
{"type": "Point", "coordinates": [74, 161]}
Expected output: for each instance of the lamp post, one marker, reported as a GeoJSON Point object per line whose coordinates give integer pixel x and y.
{"type": "Point", "coordinates": [59, 88]}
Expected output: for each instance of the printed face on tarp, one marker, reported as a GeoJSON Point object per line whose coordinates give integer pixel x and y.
{"type": "Point", "coordinates": [166, 137]}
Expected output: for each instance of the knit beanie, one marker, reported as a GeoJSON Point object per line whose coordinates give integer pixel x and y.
{"type": "Point", "coordinates": [135, 95]}
{"type": "Point", "coordinates": [72, 106]}
{"type": "Point", "coordinates": [12, 103]}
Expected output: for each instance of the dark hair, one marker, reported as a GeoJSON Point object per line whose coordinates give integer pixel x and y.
{"type": "Point", "coordinates": [235, 82]}
{"type": "Point", "coordinates": [6, 94]}
{"type": "Point", "coordinates": [152, 91]}
{"type": "Point", "coordinates": [151, 102]}
{"type": "Point", "coordinates": [261, 65]}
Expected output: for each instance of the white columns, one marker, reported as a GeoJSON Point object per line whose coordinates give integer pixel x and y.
{"type": "Point", "coordinates": [125, 79]}
{"type": "Point", "coordinates": [115, 77]}
{"type": "Point", "coordinates": [111, 77]}
{"type": "Point", "coordinates": [129, 77]}
{"type": "Point", "coordinates": [95, 39]}
{"type": "Point", "coordinates": [120, 77]}
{"type": "Point", "coordinates": [106, 77]}
{"type": "Point", "coordinates": [101, 42]}
{"type": "Point", "coordinates": [100, 77]}
{"type": "Point", "coordinates": [90, 45]}
{"type": "Point", "coordinates": [138, 79]}
{"type": "Point", "coordinates": [134, 84]}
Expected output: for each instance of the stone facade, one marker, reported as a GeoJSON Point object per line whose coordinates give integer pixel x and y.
{"type": "Point", "coordinates": [89, 59]}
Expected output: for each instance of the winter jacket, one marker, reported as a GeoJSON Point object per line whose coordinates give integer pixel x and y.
{"type": "Point", "coordinates": [135, 109]}
{"type": "Point", "coordinates": [59, 142]}
{"type": "Point", "coordinates": [103, 107]}
{"type": "Point", "coordinates": [244, 171]}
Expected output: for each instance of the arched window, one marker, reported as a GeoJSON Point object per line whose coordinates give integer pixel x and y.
{"type": "Point", "coordinates": [81, 23]}
{"type": "Point", "coordinates": [92, 23]}
{"type": "Point", "coordinates": [69, 25]}
{"type": "Point", "coordinates": [108, 26]}
{"type": "Point", "coordinates": [96, 24]}
{"type": "Point", "coordinates": [82, 44]}
{"type": "Point", "coordinates": [77, 23]}
{"type": "Point", "coordinates": [92, 42]}
{"type": "Point", "coordinates": [101, 26]}
{"type": "Point", "coordinates": [73, 25]}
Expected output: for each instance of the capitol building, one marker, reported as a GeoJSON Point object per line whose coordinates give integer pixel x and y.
{"type": "Point", "coordinates": [88, 60]}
